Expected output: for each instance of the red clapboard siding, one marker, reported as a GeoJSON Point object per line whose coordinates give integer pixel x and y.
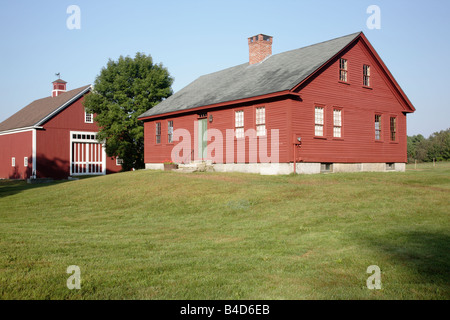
{"type": "Point", "coordinates": [19, 146]}
{"type": "Point", "coordinates": [359, 105]}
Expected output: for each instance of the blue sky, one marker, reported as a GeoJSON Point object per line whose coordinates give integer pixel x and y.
{"type": "Point", "coordinates": [196, 37]}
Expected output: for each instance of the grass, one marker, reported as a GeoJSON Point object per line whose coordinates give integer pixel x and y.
{"type": "Point", "coordinates": [165, 235]}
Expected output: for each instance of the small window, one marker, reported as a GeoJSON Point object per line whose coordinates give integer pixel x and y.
{"type": "Point", "coordinates": [119, 161]}
{"type": "Point", "coordinates": [343, 70]}
{"type": "Point", "coordinates": [13, 161]}
{"type": "Point", "coordinates": [337, 123]}
{"type": "Point", "coordinates": [326, 167]}
{"type": "Point", "coordinates": [158, 132]}
{"type": "Point", "coordinates": [261, 121]}
{"type": "Point", "coordinates": [377, 127]}
{"type": "Point", "coordinates": [318, 130]}
{"type": "Point", "coordinates": [239, 123]}
{"type": "Point", "coordinates": [393, 128]}
{"type": "Point", "coordinates": [169, 131]}
{"type": "Point", "coordinates": [366, 75]}
{"type": "Point", "coordinates": [25, 162]}
{"type": "Point", "coordinates": [88, 117]}
{"type": "Point", "coordinates": [390, 166]}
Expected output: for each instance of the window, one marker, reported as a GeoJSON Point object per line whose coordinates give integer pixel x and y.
{"type": "Point", "coordinates": [366, 75]}
{"type": "Point", "coordinates": [343, 70]}
{"type": "Point", "coordinates": [158, 132]}
{"type": "Point", "coordinates": [239, 123]}
{"type": "Point", "coordinates": [377, 127]}
{"type": "Point", "coordinates": [393, 128]}
{"type": "Point", "coordinates": [88, 117]}
{"type": "Point", "coordinates": [318, 131]}
{"type": "Point", "coordinates": [390, 166]}
{"type": "Point", "coordinates": [261, 121]}
{"type": "Point", "coordinates": [169, 131]}
{"type": "Point", "coordinates": [13, 161]}
{"type": "Point", "coordinates": [326, 167]}
{"type": "Point", "coordinates": [25, 162]}
{"type": "Point", "coordinates": [119, 162]}
{"type": "Point", "coordinates": [337, 123]}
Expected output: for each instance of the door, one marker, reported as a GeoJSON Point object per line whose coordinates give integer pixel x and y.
{"type": "Point", "coordinates": [202, 138]}
{"type": "Point", "coordinates": [87, 154]}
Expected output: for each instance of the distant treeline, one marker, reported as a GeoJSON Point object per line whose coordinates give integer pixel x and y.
{"type": "Point", "coordinates": [437, 147]}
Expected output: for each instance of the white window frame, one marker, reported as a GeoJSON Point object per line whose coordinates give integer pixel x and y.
{"type": "Point", "coordinates": [319, 114]}
{"type": "Point", "coordinates": [13, 161]}
{"type": "Point", "coordinates": [239, 124]}
{"type": "Point", "coordinates": [261, 122]}
{"type": "Point", "coordinates": [119, 161]}
{"type": "Point", "coordinates": [379, 127]}
{"type": "Point", "coordinates": [88, 117]}
{"type": "Point", "coordinates": [337, 123]}
{"type": "Point", "coordinates": [25, 162]}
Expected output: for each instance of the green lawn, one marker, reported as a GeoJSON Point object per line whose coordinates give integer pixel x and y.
{"type": "Point", "coordinates": [166, 235]}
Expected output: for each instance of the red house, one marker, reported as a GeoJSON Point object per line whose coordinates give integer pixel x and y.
{"type": "Point", "coordinates": [53, 137]}
{"type": "Point", "coordinates": [329, 107]}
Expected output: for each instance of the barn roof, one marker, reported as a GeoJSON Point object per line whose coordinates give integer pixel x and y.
{"type": "Point", "coordinates": [277, 73]}
{"type": "Point", "coordinates": [37, 112]}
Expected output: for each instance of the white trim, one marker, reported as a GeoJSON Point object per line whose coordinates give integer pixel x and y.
{"type": "Point", "coordinates": [90, 141]}
{"type": "Point", "coordinates": [33, 154]}
{"type": "Point", "coordinates": [13, 161]}
{"type": "Point", "coordinates": [92, 117]}
{"type": "Point", "coordinates": [18, 130]}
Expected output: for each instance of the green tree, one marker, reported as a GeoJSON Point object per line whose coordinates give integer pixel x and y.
{"type": "Point", "coordinates": [123, 90]}
{"type": "Point", "coordinates": [439, 146]}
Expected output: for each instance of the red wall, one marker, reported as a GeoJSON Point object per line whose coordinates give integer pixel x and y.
{"type": "Point", "coordinates": [18, 145]}
{"type": "Point", "coordinates": [223, 119]}
{"type": "Point", "coordinates": [359, 105]}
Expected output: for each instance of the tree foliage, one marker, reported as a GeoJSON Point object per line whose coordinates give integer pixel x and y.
{"type": "Point", "coordinates": [123, 90]}
{"type": "Point", "coordinates": [437, 147]}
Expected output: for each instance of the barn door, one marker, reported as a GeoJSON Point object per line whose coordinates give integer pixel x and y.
{"type": "Point", "coordinates": [87, 155]}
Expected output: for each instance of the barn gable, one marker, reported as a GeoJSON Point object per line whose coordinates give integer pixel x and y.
{"type": "Point", "coordinates": [39, 111]}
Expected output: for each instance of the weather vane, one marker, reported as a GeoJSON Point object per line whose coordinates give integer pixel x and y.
{"type": "Point", "coordinates": [58, 75]}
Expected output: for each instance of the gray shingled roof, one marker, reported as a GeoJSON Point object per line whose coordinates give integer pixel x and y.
{"type": "Point", "coordinates": [38, 110]}
{"type": "Point", "coordinates": [277, 73]}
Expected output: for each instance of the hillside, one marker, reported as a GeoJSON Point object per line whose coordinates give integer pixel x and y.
{"type": "Point", "coordinates": [164, 235]}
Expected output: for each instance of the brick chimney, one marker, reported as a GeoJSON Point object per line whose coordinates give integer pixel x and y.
{"type": "Point", "coordinates": [260, 47]}
{"type": "Point", "coordinates": [59, 86]}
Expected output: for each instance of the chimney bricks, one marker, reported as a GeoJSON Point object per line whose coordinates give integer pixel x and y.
{"type": "Point", "coordinates": [260, 47]}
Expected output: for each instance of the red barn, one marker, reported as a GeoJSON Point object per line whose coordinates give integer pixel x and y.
{"type": "Point", "coordinates": [329, 107]}
{"type": "Point", "coordinates": [53, 137]}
